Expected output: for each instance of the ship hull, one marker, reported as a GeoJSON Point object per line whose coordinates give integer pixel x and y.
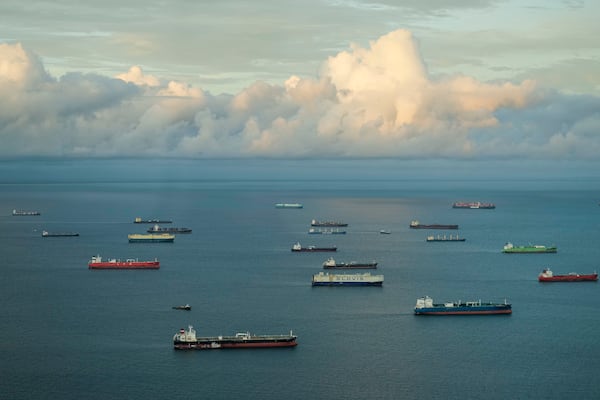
{"type": "Point", "coordinates": [337, 283]}
{"type": "Point", "coordinates": [170, 240]}
{"type": "Point", "coordinates": [125, 265]}
{"type": "Point", "coordinates": [492, 310]}
{"type": "Point", "coordinates": [529, 251]}
{"type": "Point", "coordinates": [328, 225]}
{"type": "Point", "coordinates": [434, 226]}
{"type": "Point", "coordinates": [352, 266]}
{"type": "Point", "coordinates": [59, 234]}
{"type": "Point", "coordinates": [316, 249]}
{"type": "Point", "coordinates": [288, 205]}
{"type": "Point", "coordinates": [325, 232]}
{"type": "Point", "coordinates": [170, 230]}
{"type": "Point", "coordinates": [570, 278]}
{"type": "Point", "coordinates": [474, 205]}
{"type": "Point", "coordinates": [216, 344]}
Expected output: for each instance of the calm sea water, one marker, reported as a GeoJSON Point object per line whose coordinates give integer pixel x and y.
{"type": "Point", "coordinates": [67, 332]}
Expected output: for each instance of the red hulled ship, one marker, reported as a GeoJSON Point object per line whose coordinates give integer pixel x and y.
{"type": "Point", "coordinates": [548, 276]}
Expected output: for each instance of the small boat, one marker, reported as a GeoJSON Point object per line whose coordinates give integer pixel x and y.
{"type": "Point", "coordinates": [138, 220]}
{"type": "Point", "coordinates": [299, 248]}
{"type": "Point", "coordinates": [320, 231]}
{"type": "Point", "coordinates": [23, 213]}
{"type": "Point", "coordinates": [332, 264]}
{"type": "Point", "coordinates": [187, 340]}
{"type": "Point", "coordinates": [529, 249]}
{"type": "Point", "coordinates": [329, 224]}
{"type": "Point", "coordinates": [158, 229]}
{"type": "Point", "coordinates": [548, 276]}
{"type": "Point", "coordinates": [439, 238]}
{"type": "Point", "coordinates": [426, 306]}
{"type": "Point", "coordinates": [288, 205]}
{"type": "Point", "coordinates": [417, 225]}
{"type": "Point", "coordinates": [385, 232]}
{"type": "Point", "coordinates": [474, 205]}
{"type": "Point", "coordinates": [186, 307]}
{"type": "Point", "coordinates": [57, 234]}
{"type": "Point", "coordinates": [151, 237]}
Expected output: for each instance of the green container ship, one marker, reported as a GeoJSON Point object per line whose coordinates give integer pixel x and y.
{"type": "Point", "coordinates": [510, 248]}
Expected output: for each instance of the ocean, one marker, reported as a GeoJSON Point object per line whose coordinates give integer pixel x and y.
{"type": "Point", "coordinates": [67, 332]}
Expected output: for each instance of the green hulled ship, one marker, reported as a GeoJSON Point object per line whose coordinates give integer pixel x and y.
{"type": "Point", "coordinates": [510, 248]}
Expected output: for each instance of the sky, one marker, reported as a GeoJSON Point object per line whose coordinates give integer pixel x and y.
{"type": "Point", "coordinates": [336, 79]}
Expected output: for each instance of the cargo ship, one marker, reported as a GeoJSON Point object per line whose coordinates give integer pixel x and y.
{"type": "Point", "coordinates": [288, 205]}
{"type": "Point", "coordinates": [112, 263]}
{"type": "Point", "coordinates": [23, 213]}
{"type": "Point", "coordinates": [530, 249]}
{"type": "Point", "coordinates": [332, 264]}
{"type": "Point", "coordinates": [187, 340]}
{"type": "Point", "coordinates": [474, 205]}
{"type": "Point", "coordinates": [138, 220]}
{"type": "Point", "coordinates": [548, 276]}
{"type": "Point", "coordinates": [328, 224]}
{"type": "Point", "coordinates": [158, 229]}
{"type": "Point", "coordinates": [450, 238]}
{"type": "Point", "coordinates": [426, 306]}
{"type": "Point", "coordinates": [298, 247]}
{"type": "Point", "coordinates": [417, 225]}
{"type": "Point", "coordinates": [151, 237]}
{"type": "Point", "coordinates": [329, 279]}
{"type": "Point", "coordinates": [186, 307]}
{"type": "Point", "coordinates": [320, 231]}
{"type": "Point", "coordinates": [57, 234]}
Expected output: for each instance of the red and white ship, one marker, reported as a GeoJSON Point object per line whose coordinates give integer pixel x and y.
{"type": "Point", "coordinates": [548, 276]}
{"type": "Point", "coordinates": [112, 263]}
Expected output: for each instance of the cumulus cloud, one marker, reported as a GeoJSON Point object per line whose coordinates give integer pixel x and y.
{"type": "Point", "coordinates": [375, 101]}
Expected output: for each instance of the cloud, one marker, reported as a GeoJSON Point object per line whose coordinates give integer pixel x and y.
{"type": "Point", "coordinates": [374, 101]}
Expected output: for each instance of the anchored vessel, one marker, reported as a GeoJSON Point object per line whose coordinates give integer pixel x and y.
{"type": "Point", "coordinates": [320, 231]}
{"type": "Point", "coordinates": [316, 223]}
{"type": "Point", "coordinates": [288, 205]}
{"type": "Point", "coordinates": [158, 229]}
{"type": "Point", "coordinates": [151, 237]}
{"type": "Point", "coordinates": [298, 247]}
{"type": "Point", "coordinates": [332, 264]}
{"type": "Point", "coordinates": [186, 307]}
{"type": "Point", "coordinates": [426, 306]}
{"type": "Point", "coordinates": [56, 234]}
{"type": "Point", "coordinates": [329, 279]}
{"type": "Point", "coordinates": [385, 232]}
{"type": "Point", "coordinates": [417, 225]}
{"type": "Point", "coordinates": [184, 340]}
{"type": "Point", "coordinates": [439, 238]}
{"type": "Point", "coordinates": [22, 213]}
{"type": "Point", "coordinates": [548, 276]}
{"type": "Point", "coordinates": [510, 248]}
{"type": "Point", "coordinates": [473, 205]}
{"type": "Point", "coordinates": [112, 263]}
{"type": "Point", "coordinates": [138, 220]}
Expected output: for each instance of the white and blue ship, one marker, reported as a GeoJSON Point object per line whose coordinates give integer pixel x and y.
{"type": "Point", "coordinates": [330, 279]}
{"type": "Point", "coordinates": [426, 306]}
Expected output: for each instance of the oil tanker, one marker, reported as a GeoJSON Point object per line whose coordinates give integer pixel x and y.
{"type": "Point", "coordinates": [187, 340]}
{"type": "Point", "coordinates": [151, 237]}
{"type": "Point", "coordinates": [426, 306]}
{"type": "Point", "coordinates": [548, 276]}
{"type": "Point", "coordinates": [298, 247]}
{"type": "Point", "coordinates": [417, 225]}
{"type": "Point", "coordinates": [529, 249]}
{"type": "Point", "coordinates": [112, 263]}
{"type": "Point", "coordinates": [332, 264]}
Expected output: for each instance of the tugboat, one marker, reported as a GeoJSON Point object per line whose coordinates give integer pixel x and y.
{"type": "Point", "coordinates": [299, 248]}
{"type": "Point", "coordinates": [548, 276]}
{"type": "Point", "coordinates": [332, 264]}
{"type": "Point", "coordinates": [426, 306]}
{"type": "Point", "coordinates": [187, 340]}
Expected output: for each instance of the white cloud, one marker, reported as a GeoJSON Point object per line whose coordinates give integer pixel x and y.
{"type": "Point", "coordinates": [375, 101]}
